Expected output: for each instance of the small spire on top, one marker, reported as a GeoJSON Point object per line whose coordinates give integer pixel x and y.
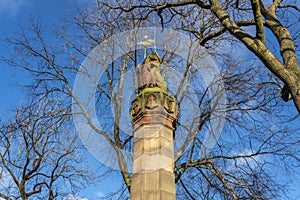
{"type": "Point", "coordinates": [147, 42]}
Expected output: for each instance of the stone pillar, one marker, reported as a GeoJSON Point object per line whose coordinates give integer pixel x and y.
{"type": "Point", "coordinates": [153, 114]}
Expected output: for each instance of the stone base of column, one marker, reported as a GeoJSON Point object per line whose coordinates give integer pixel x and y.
{"type": "Point", "coordinates": [153, 175]}
{"type": "Point", "coordinates": [155, 185]}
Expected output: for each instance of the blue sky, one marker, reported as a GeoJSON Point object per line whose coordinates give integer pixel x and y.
{"type": "Point", "coordinates": [14, 13]}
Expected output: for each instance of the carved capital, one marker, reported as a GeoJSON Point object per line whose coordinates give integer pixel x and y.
{"type": "Point", "coordinates": [154, 104]}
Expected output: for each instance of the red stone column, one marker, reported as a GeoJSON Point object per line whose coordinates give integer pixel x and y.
{"type": "Point", "coordinates": [153, 114]}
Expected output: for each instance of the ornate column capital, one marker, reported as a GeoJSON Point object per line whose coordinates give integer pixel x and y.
{"type": "Point", "coordinates": [154, 105]}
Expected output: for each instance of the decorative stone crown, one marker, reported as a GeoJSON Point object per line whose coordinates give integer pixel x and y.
{"type": "Point", "coordinates": [156, 104]}
{"type": "Point", "coordinates": [153, 103]}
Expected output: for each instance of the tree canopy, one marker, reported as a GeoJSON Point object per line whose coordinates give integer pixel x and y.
{"type": "Point", "coordinates": [256, 48]}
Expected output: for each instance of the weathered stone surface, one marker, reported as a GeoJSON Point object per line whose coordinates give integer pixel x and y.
{"type": "Point", "coordinates": [152, 145]}
{"type": "Point", "coordinates": [154, 130]}
{"type": "Point", "coordinates": [153, 114]}
{"type": "Point", "coordinates": [154, 105]}
{"type": "Point", "coordinates": [149, 73]}
{"type": "Point", "coordinates": [145, 163]}
{"type": "Point", "coordinates": [153, 185]}
{"type": "Point", "coordinates": [153, 195]}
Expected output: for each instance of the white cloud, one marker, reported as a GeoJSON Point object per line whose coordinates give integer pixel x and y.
{"type": "Point", "coordinates": [6, 182]}
{"type": "Point", "coordinates": [100, 195]}
{"type": "Point", "coordinates": [12, 7]}
{"type": "Point", "coordinates": [248, 158]}
{"type": "Point", "coordinates": [73, 197]}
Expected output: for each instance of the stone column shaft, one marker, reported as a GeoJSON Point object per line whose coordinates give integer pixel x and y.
{"type": "Point", "coordinates": [153, 162]}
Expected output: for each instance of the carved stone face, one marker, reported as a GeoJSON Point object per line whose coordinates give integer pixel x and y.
{"type": "Point", "coordinates": [151, 101]}
{"type": "Point", "coordinates": [135, 108]}
{"type": "Point", "coordinates": [169, 105]}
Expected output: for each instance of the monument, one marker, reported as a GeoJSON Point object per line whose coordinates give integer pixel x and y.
{"type": "Point", "coordinates": [153, 114]}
